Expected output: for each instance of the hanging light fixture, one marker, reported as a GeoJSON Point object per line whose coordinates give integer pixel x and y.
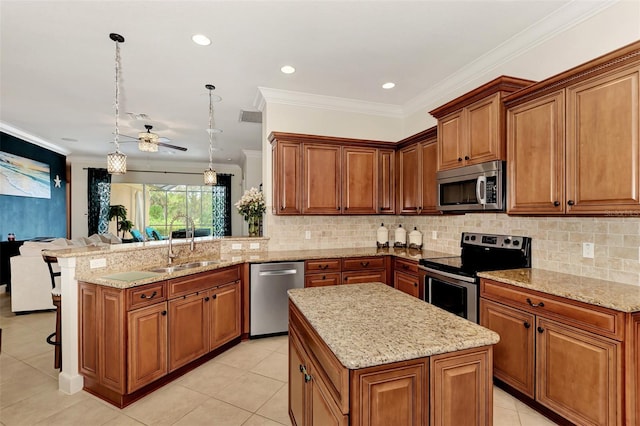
{"type": "Point", "coordinates": [210, 177]}
{"type": "Point", "coordinates": [147, 141]}
{"type": "Point", "coordinates": [117, 161]}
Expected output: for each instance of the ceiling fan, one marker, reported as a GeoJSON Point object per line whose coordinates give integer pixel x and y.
{"type": "Point", "coordinates": [149, 142]}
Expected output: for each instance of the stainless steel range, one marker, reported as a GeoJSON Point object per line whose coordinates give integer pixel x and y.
{"type": "Point", "coordinates": [451, 283]}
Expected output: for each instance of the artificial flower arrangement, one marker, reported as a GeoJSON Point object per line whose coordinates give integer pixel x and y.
{"type": "Point", "coordinates": [251, 206]}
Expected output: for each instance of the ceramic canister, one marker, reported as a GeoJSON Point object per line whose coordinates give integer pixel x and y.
{"type": "Point", "coordinates": [401, 236]}
{"type": "Point", "coordinates": [383, 236]}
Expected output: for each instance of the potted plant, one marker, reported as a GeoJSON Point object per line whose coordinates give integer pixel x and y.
{"type": "Point", "coordinates": [119, 212]}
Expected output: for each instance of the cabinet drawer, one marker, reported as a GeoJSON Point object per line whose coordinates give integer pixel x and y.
{"type": "Point", "coordinates": [407, 283]}
{"type": "Point", "coordinates": [333, 374]}
{"type": "Point", "coordinates": [322, 265]}
{"type": "Point", "coordinates": [404, 265]}
{"type": "Point", "coordinates": [145, 295]}
{"type": "Point", "coordinates": [361, 263]}
{"type": "Point", "coordinates": [354, 277]}
{"type": "Point", "coordinates": [202, 281]}
{"type": "Point", "coordinates": [319, 280]}
{"type": "Point", "coordinates": [593, 318]}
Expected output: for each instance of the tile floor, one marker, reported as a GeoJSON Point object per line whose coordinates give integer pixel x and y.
{"type": "Point", "coordinates": [244, 386]}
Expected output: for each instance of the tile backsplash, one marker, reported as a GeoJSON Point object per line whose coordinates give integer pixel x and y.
{"type": "Point", "coordinates": [557, 242]}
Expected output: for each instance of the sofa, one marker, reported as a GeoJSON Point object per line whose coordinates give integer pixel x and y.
{"type": "Point", "coordinates": [30, 278]}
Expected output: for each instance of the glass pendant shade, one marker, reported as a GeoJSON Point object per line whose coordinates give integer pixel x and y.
{"type": "Point", "coordinates": [210, 177]}
{"type": "Point", "coordinates": [116, 163]}
{"type": "Point", "coordinates": [147, 146]}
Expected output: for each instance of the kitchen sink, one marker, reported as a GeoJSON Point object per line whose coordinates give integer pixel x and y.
{"type": "Point", "coordinates": [183, 266]}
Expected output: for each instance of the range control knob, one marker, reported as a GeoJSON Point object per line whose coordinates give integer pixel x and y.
{"type": "Point", "coordinates": [516, 243]}
{"type": "Point", "coordinates": [473, 238]}
{"type": "Point", "coordinates": [507, 241]}
{"type": "Point", "coordinates": [466, 238]}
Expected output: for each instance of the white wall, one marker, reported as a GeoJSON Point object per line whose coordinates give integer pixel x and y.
{"type": "Point", "coordinates": [79, 188]}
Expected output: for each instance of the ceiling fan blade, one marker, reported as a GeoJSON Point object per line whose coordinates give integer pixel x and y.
{"type": "Point", "coordinates": [166, 145]}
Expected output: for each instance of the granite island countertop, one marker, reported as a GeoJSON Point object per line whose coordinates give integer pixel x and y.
{"type": "Point", "coordinates": [372, 324]}
{"type": "Point", "coordinates": [608, 294]}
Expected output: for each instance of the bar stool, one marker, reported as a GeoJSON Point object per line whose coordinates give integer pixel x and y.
{"type": "Point", "coordinates": [55, 338]}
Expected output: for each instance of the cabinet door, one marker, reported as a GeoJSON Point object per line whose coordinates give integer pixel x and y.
{"type": "Point", "coordinates": [603, 138]}
{"type": "Point", "coordinates": [188, 329]}
{"type": "Point", "coordinates": [323, 410]}
{"type": "Point", "coordinates": [578, 374]}
{"type": "Point", "coordinates": [428, 169]}
{"type": "Point", "coordinates": [379, 276]}
{"type": "Point", "coordinates": [536, 156]}
{"type": "Point", "coordinates": [360, 181]}
{"type": "Point", "coordinates": [147, 345]}
{"type": "Point", "coordinates": [407, 283]}
{"type": "Point", "coordinates": [513, 355]}
{"type": "Point", "coordinates": [450, 141]}
{"type": "Point", "coordinates": [408, 180]}
{"type": "Point", "coordinates": [88, 330]}
{"type": "Point", "coordinates": [322, 176]}
{"type": "Point", "coordinates": [387, 181]}
{"type": "Point", "coordinates": [461, 390]}
{"type": "Point", "coordinates": [111, 340]}
{"type": "Point", "coordinates": [483, 131]}
{"type": "Point", "coordinates": [224, 314]}
{"type": "Point", "coordinates": [297, 388]}
{"type": "Point", "coordinates": [287, 178]}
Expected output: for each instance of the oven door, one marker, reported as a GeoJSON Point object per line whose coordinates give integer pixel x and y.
{"type": "Point", "coordinates": [453, 293]}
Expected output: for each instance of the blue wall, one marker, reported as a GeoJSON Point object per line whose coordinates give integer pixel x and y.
{"type": "Point", "coordinates": [34, 217]}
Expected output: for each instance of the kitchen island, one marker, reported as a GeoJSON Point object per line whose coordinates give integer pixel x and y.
{"type": "Point", "coordinates": [369, 354]}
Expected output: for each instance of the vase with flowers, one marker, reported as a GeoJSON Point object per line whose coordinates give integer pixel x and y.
{"type": "Point", "coordinates": [251, 206]}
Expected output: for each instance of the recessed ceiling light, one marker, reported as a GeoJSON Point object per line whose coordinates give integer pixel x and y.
{"type": "Point", "coordinates": [388, 85]}
{"type": "Point", "coordinates": [228, 159]}
{"type": "Point", "coordinates": [288, 69]}
{"type": "Point", "coordinates": [69, 139]}
{"type": "Point", "coordinates": [201, 39]}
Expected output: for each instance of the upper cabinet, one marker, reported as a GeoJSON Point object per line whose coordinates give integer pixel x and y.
{"type": "Point", "coordinates": [417, 173]}
{"type": "Point", "coordinates": [573, 139]}
{"type": "Point", "coordinates": [471, 127]}
{"type": "Point", "coordinates": [325, 175]}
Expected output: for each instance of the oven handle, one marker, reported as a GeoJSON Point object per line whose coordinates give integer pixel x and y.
{"type": "Point", "coordinates": [481, 190]}
{"type": "Point", "coordinates": [447, 274]}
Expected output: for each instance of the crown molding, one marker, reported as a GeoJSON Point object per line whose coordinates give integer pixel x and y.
{"type": "Point", "coordinates": [559, 21]}
{"type": "Point", "coordinates": [286, 97]}
{"type": "Point", "coordinates": [252, 153]}
{"type": "Point", "coordinates": [28, 137]}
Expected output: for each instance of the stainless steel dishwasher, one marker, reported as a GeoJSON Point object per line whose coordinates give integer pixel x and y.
{"type": "Point", "coordinates": [269, 313]}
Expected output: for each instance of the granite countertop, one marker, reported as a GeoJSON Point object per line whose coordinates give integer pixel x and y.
{"type": "Point", "coordinates": [230, 259]}
{"type": "Point", "coordinates": [373, 324]}
{"type": "Point", "coordinates": [608, 294]}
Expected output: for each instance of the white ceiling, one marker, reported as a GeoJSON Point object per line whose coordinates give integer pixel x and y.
{"type": "Point", "coordinates": [57, 61]}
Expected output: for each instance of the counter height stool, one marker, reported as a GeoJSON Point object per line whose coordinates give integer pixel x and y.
{"type": "Point", "coordinates": [55, 338]}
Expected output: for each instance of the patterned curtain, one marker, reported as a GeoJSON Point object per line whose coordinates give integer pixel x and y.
{"type": "Point", "coordinates": [221, 206]}
{"type": "Point", "coordinates": [99, 198]}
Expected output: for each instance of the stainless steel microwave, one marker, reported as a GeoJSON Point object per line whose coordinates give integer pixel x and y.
{"type": "Point", "coordinates": [480, 187]}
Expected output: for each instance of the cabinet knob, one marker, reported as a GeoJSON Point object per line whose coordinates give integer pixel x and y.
{"type": "Point", "coordinates": [163, 313]}
{"type": "Point", "coordinates": [459, 158]}
{"type": "Point", "coordinates": [556, 203]}
{"type": "Point", "coordinates": [571, 202]}
{"type": "Point", "coordinates": [206, 299]}
{"type": "Point", "coordinates": [337, 208]}
{"type": "Point", "coordinates": [415, 284]}
{"type": "Point", "coordinates": [346, 208]}
{"type": "Point", "coordinates": [301, 368]}
{"type": "Point", "coordinates": [466, 157]}
{"type": "Point", "coordinates": [215, 296]}
{"type": "Point", "coordinates": [526, 324]}
{"type": "Point", "coordinates": [307, 378]}
{"type": "Point", "coordinates": [324, 277]}
{"type": "Point", "coordinates": [346, 278]}
{"type": "Point", "coordinates": [540, 330]}
{"type": "Point", "coordinates": [281, 207]}
{"type": "Point", "coordinates": [535, 305]}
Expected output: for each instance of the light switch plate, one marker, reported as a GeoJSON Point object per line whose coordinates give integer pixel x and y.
{"type": "Point", "coordinates": [98, 263]}
{"type": "Point", "coordinates": [236, 246]}
{"type": "Point", "coordinates": [307, 235]}
{"type": "Point", "coordinates": [434, 235]}
{"type": "Point", "coordinates": [254, 246]}
{"type": "Point", "coordinates": [588, 250]}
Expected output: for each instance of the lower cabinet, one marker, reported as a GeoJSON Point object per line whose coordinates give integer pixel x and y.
{"type": "Point", "coordinates": [132, 338]}
{"type": "Point", "coordinates": [548, 351]}
{"type": "Point", "coordinates": [349, 270]}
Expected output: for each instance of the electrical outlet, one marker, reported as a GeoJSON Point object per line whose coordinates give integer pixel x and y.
{"type": "Point", "coordinates": [307, 235]}
{"type": "Point", "coordinates": [434, 235]}
{"type": "Point", "coordinates": [588, 250]}
{"type": "Point", "coordinates": [236, 246]}
{"type": "Point", "coordinates": [98, 263]}
{"type": "Point", "coordinates": [254, 246]}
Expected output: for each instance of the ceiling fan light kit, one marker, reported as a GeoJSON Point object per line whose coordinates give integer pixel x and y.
{"type": "Point", "coordinates": [117, 161]}
{"type": "Point", "coordinates": [147, 141]}
{"type": "Point", "coordinates": [210, 177]}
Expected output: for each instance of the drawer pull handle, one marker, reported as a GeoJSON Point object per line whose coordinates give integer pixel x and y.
{"type": "Point", "coordinates": [364, 264]}
{"type": "Point", "coordinates": [405, 266]}
{"type": "Point", "coordinates": [323, 266]}
{"type": "Point", "coordinates": [302, 368]}
{"type": "Point", "coordinates": [526, 324]}
{"type": "Point", "coordinates": [540, 330]}
{"type": "Point", "coordinates": [163, 313]}
{"type": "Point", "coordinates": [535, 305]}
{"type": "Point", "coordinates": [144, 296]}
{"type": "Point", "coordinates": [307, 378]}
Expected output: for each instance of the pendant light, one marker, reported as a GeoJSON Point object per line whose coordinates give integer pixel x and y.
{"type": "Point", "coordinates": [117, 161]}
{"type": "Point", "coordinates": [210, 177]}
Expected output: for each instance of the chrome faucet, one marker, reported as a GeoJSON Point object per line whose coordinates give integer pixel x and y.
{"type": "Point", "coordinates": [192, 247]}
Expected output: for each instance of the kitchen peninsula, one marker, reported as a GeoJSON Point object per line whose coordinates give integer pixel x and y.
{"type": "Point", "coordinates": [369, 354]}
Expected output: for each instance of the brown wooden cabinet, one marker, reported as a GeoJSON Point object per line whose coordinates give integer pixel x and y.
{"type": "Point", "coordinates": [566, 355]}
{"type": "Point", "coordinates": [360, 181]}
{"type": "Point", "coordinates": [349, 270]}
{"type": "Point", "coordinates": [132, 339]}
{"type": "Point", "coordinates": [387, 181]}
{"type": "Point", "coordinates": [471, 127]}
{"type": "Point", "coordinates": [417, 159]}
{"type": "Point", "coordinates": [287, 178]}
{"type": "Point", "coordinates": [322, 173]}
{"type": "Point", "coordinates": [406, 277]}
{"type": "Point", "coordinates": [573, 139]}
